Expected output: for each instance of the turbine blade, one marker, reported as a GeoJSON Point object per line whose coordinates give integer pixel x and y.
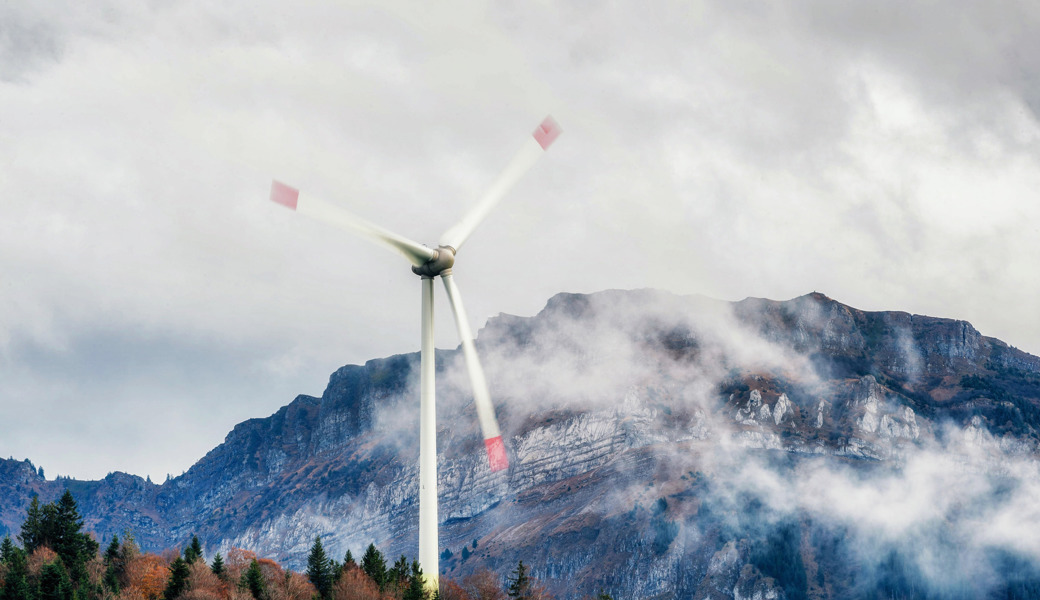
{"type": "Point", "coordinates": [532, 150]}
{"type": "Point", "coordinates": [290, 197]}
{"type": "Point", "coordinates": [496, 450]}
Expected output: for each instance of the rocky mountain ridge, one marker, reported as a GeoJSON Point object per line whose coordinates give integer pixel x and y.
{"type": "Point", "coordinates": [640, 426]}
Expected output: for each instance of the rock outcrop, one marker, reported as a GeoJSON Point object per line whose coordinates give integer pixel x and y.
{"type": "Point", "coordinates": [621, 410]}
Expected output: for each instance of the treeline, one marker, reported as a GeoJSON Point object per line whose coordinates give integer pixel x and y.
{"type": "Point", "coordinates": [57, 560]}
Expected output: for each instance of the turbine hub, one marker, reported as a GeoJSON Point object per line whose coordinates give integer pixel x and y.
{"type": "Point", "coordinates": [441, 262]}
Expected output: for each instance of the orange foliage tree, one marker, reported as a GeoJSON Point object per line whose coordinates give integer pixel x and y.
{"type": "Point", "coordinates": [484, 585]}
{"type": "Point", "coordinates": [145, 577]}
{"type": "Point", "coordinates": [353, 584]}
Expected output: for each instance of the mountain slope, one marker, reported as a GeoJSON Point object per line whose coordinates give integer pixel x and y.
{"type": "Point", "coordinates": [661, 446]}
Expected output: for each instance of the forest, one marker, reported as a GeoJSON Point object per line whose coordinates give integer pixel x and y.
{"type": "Point", "coordinates": [53, 558]}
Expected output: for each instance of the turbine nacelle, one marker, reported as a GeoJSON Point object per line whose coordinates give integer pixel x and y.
{"type": "Point", "coordinates": [442, 261]}
{"type": "Point", "coordinates": [429, 263]}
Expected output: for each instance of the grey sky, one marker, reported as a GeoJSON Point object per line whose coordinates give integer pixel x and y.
{"type": "Point", "coordinates": [884, 153]}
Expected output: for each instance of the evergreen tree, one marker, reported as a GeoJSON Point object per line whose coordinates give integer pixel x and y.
{"type": "Point", "coordinates": [373, 564]}
{"type": "Point", "coordinates": [54, 582]}
{"type": "Point", "coordinates": [416, 589]}
{"type": "Point", "coordinates": [519, 583]}
{"type": "Point", "coordinates": [32, 527]}
{"type": "Point", "coordinates": [112, 552]}
{"type": "Point", "coordinates": [74, 548]}
{"type": "Point", "coordinates": [319, 569]}
{"type": "Point", "coordinates": [348, 559]}
{"type": "Point", "coordinates": [253, 581]}
{"type": "Point", "coordinates": [399, 572]}
{"type": "Point", "coordinates": [113, 565]}
{"type": "Point", "coordinates": [16, 581]}
{"type": "Point", "coordinates": [7, 549]}
{"type": "Point", "coordinates": [178, 582]}
{"type": "Point", "coordinates": [194, 551]}
{"type": "Point", "coordinates": [218, 566]}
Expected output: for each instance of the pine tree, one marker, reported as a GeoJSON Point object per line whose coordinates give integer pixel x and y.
{"type": "Point", "coordinates": [319, 569]}
{"type": "Point", "coordinates": [218, 566]}
{"type": "Point", "coordinates": [519, 583]}
{"type": "Point", "coordinates": [7, 549]}
{"type": "Point", "coordinates": [74, 548]}
{"type": "Point", "coordinates": [416, 589]}
{"type": "Point", "coordinates": [113, 565]}
{"type": "Point", "coordinates": [194, 551]}
{"type": "Point", "coordinates": [253, 581]}
{"type": "Point", "coordinates": [32, 527]}
{"type": "Point", "coordinates": [373, 564]}
{"type": "Point", "coordinates": [112, 552]}
{"type": "Point", "coordinates": [348, 559]}
{"type": "Point", "coordinates": [178, 582]}
{"type": "Point", "coordinates": [54, 582]}
{"type": "Point", "coordinates": [399, 572]}
{"type": "Point", "coordinates": [16, 581]}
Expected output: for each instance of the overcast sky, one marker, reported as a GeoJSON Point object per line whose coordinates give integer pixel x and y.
{"type": "Point", "coordinates": [885, 153]}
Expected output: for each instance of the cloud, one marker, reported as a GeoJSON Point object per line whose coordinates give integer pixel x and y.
{"type": "Point", "coordinates": [885, 156]}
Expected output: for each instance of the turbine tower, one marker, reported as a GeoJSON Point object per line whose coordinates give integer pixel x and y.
{"type": "Point", "coordinates": [429, 263]}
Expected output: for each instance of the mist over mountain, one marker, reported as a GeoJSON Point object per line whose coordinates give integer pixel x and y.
{"type": "Point", "coordinates": [660, 446]}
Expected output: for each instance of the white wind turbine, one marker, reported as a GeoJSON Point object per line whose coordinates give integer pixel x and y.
{"type": "Point", "coordinates": [429, 263]}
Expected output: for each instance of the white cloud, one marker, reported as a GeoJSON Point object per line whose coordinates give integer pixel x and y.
{"type": "Point", "coordinates": [706, 149]}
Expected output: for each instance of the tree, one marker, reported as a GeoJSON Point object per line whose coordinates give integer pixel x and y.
{"type": "Point", "coordinates": [373, 564]}
{"type": "Point", "coordinates": [74, 548]}
{"type": "Point", "coordinates": [113, 565]}
{"type": "Point", "coordinates": [194, 551]}
{"type": "Point", "coordinates": [16, 580]}
{"type": "Point", "coordinates": [54, 582]}
{"type": "Point", "coordinates": [32, 527]}
{"type": "Point", "coordinates": [253, 581]}
{"type": "Point", "coordinates": [416, 589]}
{"type": "Point", "coordinates": [7, 549]}
{"type": "Point", "coordinates": [218, 565]}
{"type": "Point", "coordinates": [519, 583]}
{"type": "Point", "coordinates": [177, 584]}
{"type": "Point", "coordinates": [484, 585]}
{"type": "Point", "coordinates": [348, 559]}
{"type": "Point", "coordinates": [319, 569]}
{"type": "Point", "coordinates": [398, 573]}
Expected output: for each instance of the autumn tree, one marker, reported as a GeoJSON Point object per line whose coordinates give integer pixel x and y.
{"type": "Point", "coordinates": [484, 585]}
{"type": "Point", "coordinates": [145, 576]}
{"type": "Point", "coordinates": [203, 584]}
{"type": "Point", "coordinates": [354, 584]}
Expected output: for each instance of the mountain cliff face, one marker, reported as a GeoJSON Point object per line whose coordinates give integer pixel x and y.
{"type": "Point", "coordinates": [660, 446]}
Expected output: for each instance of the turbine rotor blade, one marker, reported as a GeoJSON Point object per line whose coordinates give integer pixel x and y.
{"type": "Point", "coordinates": [290, 197]}
{"type": "Point", "coordinates": [525, 158]}
{"type": "Point", "coordinates": [496, 450]}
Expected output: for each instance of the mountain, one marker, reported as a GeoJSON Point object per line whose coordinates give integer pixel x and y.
{"type": "Point", "coordinates": [661, 446]}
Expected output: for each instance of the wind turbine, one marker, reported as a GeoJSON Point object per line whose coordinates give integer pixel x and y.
{"type": "Point", "coordinates": [429, 263]}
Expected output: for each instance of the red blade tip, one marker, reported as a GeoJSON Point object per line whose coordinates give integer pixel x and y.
{"type": "Point", "coordinates": [547, 132]}
{"type": "Point", "coordinates": [284, 195]}
{"type": "Point", "coordinates": [496, 452]}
